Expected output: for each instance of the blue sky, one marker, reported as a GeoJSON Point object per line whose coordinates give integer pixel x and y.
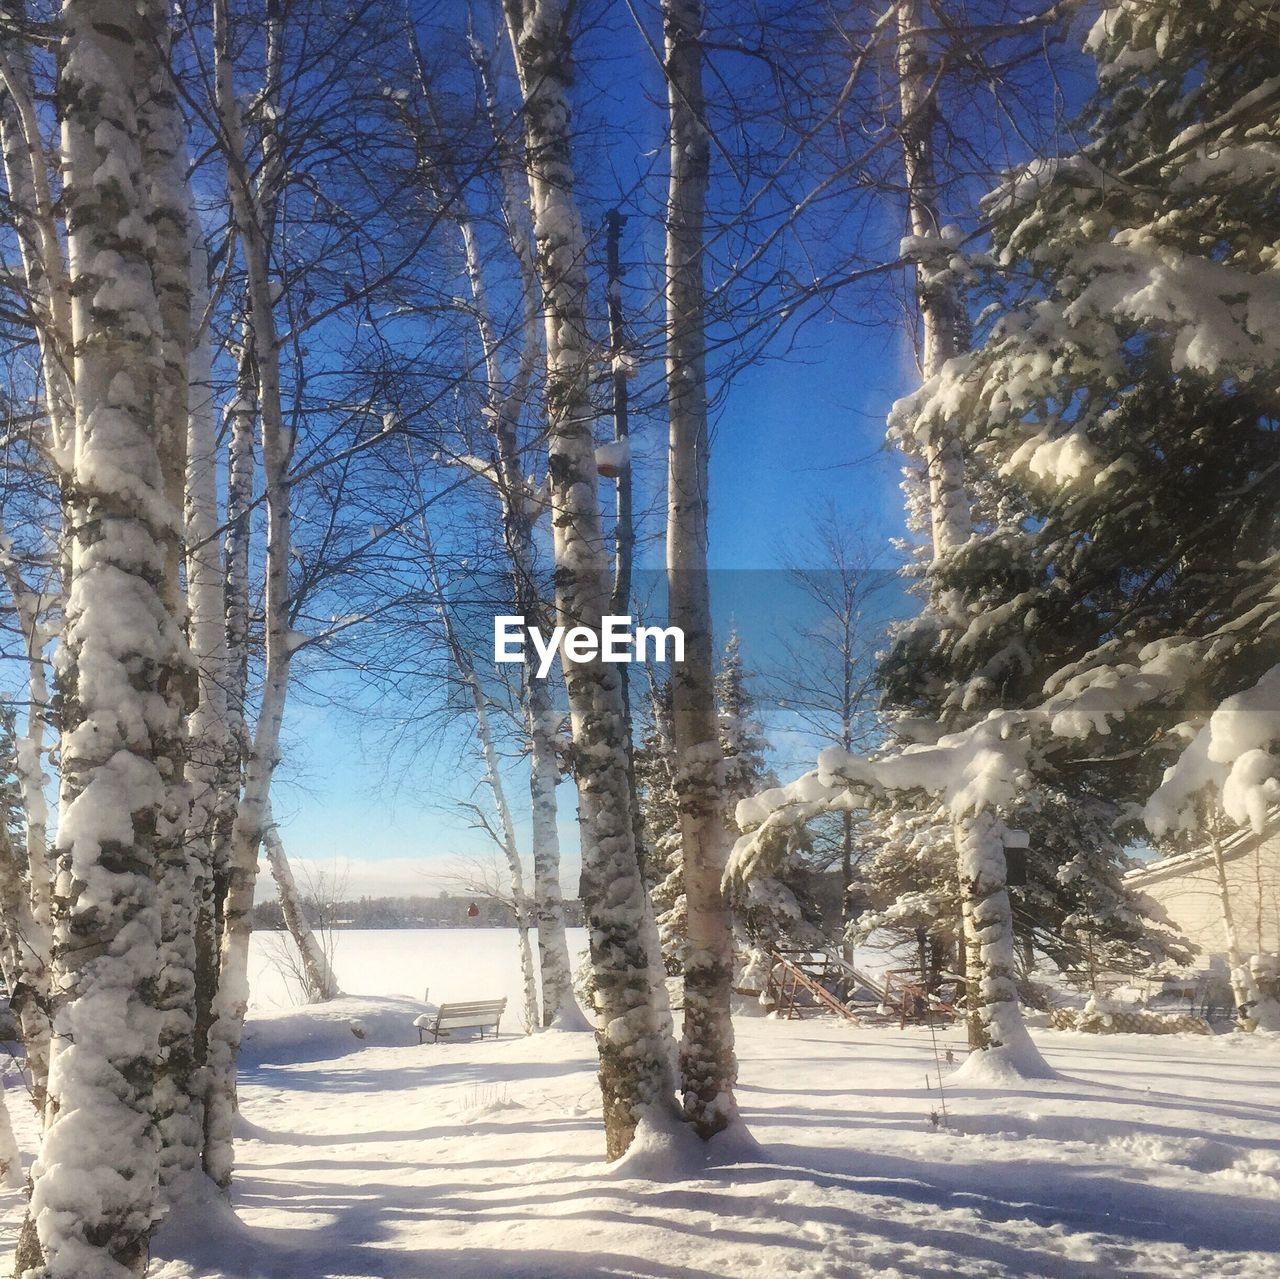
{"type": "Point", "coordinates": [790, 440]}
{"type": "Point", "coordinates": [797, 433]}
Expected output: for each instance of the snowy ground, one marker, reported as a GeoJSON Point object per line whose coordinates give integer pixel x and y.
{"type": "Point", "coordinates": [439, 964]}
{"type": "Point", "coordinates": [380, 1159]}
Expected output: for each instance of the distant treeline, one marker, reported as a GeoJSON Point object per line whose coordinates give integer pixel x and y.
{"type": "Point", "coordinates": [444, 911]}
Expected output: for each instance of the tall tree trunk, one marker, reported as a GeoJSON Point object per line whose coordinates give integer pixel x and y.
{"type": "Point", "coordinates": [944, 334]}
{"type": "Point", "coordinates": [708, 1067]}
{"type": "Point", "coordinates": [559, 1007]}
{"type": "Point", "coordinates": [178, 1107]}
{"type": "Point", "coordinates": [634, 1032]}
{"type": "Point", "coordinates": [1004, 1049]}
{"type": "Point", "coordinates": [624, 530]}
{"type": "Point", "coordinates": [23, 962]}
{"type": "Point", "coordinates": [521, 508]}
{"type": "Point", "coordinates": [95, 1181]}
{"type": "Point", "coordinates": [31, 205]}
{"type": "Point", "coordinates": [209, 740]}
{"type": "Point", "coordinates": [317, 971]}
{"type": "Point", "coordinates": [232, 999]}
{"type": "Point", "coordinates": [943, 321]}
{"type": "Point", "coordinates": [10, 1157]}
{"type": "Point", "coordinates": [1231, 933]}
{"type": "Point", "coordinates": [506, 833]}
{"type": "Point", "coordinates": [29, 899]}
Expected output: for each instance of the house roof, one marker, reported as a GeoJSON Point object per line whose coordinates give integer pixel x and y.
{"type": "Point", "coordinates": [1237, 844]}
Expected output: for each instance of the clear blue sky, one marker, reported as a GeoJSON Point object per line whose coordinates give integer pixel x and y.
{"type": "Point", "coordinates": [790, 438]}
{"type": "Point", "coordinates": [795, 434]}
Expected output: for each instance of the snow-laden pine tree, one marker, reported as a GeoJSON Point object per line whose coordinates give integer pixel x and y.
{"type": "Point", "coordinates": [121, 669]}
{"type": "Point", "coordinates": [1124, 399]}
{"type": "Point", "coordinates": [943, 501]}
{"type": "Point", "coordinates": [633, 1036]}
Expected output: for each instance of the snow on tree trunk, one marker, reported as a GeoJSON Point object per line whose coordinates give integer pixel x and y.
{"type": "Point", "coordinates": [232, 999]}
{"type": "Point", "coordinates": [944, 329]}
{"type": "Point", "coordinates": [1259, 979]}
{"type": "Point", "coordinates": [95, 1180]}
{"type": "Point", "coordinates": [318, 973]}
{"type": "Point", "coordinates": [708, 1067]}
{"type": "Point", "coordinates": [633, 1035]}
{"type": "Point", "coordinates": [208, 736]}
{"type": "Point", "coordinates": [942, 314]}
{"type": "Point", "coordinates": [241, 417]}
{"type": "Point", "coordinates": [1005, 1051]}
{"type": "Point", "coordinates": [10, 1156]}
{"type": "Point", "coordinates": [178, 1107]}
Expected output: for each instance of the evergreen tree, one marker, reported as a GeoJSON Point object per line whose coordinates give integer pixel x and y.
{"type": "Point", "coordinates": [773, 905]}
{"type": "Point", "coordinates": [1119, 412]}
{"type": "Point", "coordinates": [659, 809]}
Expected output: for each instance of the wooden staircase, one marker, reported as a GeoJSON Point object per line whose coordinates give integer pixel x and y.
{"type": "Point", "coordinates": [820, 981]}
{"type": "Point", "coordinates": [808, 981]}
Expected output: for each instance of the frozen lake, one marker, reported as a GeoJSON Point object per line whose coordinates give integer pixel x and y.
{"type": "Point", "coordinates": [422, 963]}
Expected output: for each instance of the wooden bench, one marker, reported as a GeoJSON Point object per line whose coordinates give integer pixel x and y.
{"type": "Point", "coordinates": [476, 1014]}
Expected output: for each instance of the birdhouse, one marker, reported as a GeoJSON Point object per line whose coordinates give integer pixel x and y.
{"type": "Point", "coordinates": [473, 911]}
{"type": "Point", "coordinates": [1016, 843]}
{"type": "Point", "coordinates": [612, 458]}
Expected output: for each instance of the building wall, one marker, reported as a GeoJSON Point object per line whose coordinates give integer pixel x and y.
{"type": "Point", "coordinates": [1191, 898]}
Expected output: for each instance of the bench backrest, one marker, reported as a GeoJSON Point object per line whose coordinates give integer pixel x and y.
{"type": "Point", "coordinates": [478, 1012]}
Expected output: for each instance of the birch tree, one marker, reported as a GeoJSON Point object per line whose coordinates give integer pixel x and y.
{"type": "Point", "coordinates": [182, 871]}
{"type": "Point", "coordinates": [633, 1034]}
{"type": "Point", "coordinates": [121, 665]}
{"type": "Point", "coordinates": [231, 1001]}
{"type": "Point", "coordinates": [508, 393]}
{"type": "Point", "coordinates": [31, 203]}
{"type": "Point", "coordinates": [708, 1067]}
{"type": "Point", "coordinates": [318, 977]}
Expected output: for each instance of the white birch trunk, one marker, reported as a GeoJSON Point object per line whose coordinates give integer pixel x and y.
{"type": "Point", "coordinates": [1235, 955]}
{"type": "Point", "coordinates": [31, 202]}
{"type": "Point", "coordinates": [95, 1181]}
{"type": "Point", "coordinates": [942, 314]}
{"type": "Point", "coordinates": [317, 972]}
{"type": "Point", "coordinates": [1005, 1051]}
{"type": "Point", "coordinates": [944, 334]}
{"type": "Point", "coordinates": [708, 1067]}
{"type": "Point", "coordinates": [30, 901]}
{"type": "Point", "coordinates": [209, 739]}
{"type": "Point", "coordinates": [10, 1156]}
{"type": "Point", "coordinates": [20, 961]}
{"type": "Point", "coordinates": [634, 1029]}
{"type": "Point", "coordinates": [231, 1001]}
{"type": "Point", "coordinates": [520, 511]}
{"type": "Point", "coordinates": [506, 836]}
{"type": "Point", "coordinates": [559, 1007]}
{"type": "Point", "coordinates": [26, 168]}
{"type": "Point", "coordinates": [178, 1107]}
